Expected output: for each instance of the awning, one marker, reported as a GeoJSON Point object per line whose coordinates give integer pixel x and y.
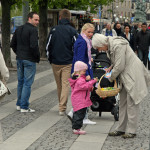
{"type": "Point", "coordinates": [78, 12]}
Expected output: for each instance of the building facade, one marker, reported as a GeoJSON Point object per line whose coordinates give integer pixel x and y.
{"type": "Point", "coordinates": [124, 11]}
{"type": "Point", "coordinates": [118, 11]}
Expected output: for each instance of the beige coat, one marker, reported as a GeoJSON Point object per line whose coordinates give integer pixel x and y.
{"type": "Point", "coordinates": [4, 73]}
{"type": "Point", "coordinates": [129, 68]}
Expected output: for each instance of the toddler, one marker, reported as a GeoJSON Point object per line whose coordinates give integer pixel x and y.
{"type": "Point", "coordinates": [80, 95]}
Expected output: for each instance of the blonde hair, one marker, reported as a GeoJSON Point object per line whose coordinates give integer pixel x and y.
{"type": "Point", "coordinates": [87, 26]}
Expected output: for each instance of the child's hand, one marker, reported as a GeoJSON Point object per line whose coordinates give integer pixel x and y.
{"type": "Point", "coordinates": [88, 78]}
{"type": "Point", "coordinates": [92, 88]}
{"type": "Point", "coordinates": [96, 79]}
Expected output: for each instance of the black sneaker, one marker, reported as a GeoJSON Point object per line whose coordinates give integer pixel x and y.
{"type": "Point", "coordinates": [116, 133]}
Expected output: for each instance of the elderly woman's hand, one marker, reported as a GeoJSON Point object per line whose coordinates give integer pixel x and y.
{"type": "Point", "coordinates": [108, 69]}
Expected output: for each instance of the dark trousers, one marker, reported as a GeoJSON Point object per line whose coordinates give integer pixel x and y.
{"type": "Point", "coordinates": [148, 64]}
{"type": "Point", "coordinates": [143, 56]}
{"type": "Point", "coordinates": [78, 117]}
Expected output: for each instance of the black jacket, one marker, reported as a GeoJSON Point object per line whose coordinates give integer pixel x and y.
{"type": "Point", "coordinates": [131, 41]}
{"type": "Point", "coordinates": [60, 43]}
{"type": "Point", "coordinates": [25, 43]}
{"type": "Point", "coordinates": [142, 41]}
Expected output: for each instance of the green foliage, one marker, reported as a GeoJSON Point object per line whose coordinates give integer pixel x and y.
{"type": "Point", "coordinates": [70, 4]}
{"type": "Point", "coordinates": [16, 12]}
{"type": "Point", "coordinates": [16, 8]}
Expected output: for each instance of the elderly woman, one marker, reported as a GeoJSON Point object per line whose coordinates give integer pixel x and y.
{"type": "Point", "coordinates": [4, 73]}
{"type": "Point", "coordinates": [108, 31]}
{"type": "Point", "coordinates": [134, 79]}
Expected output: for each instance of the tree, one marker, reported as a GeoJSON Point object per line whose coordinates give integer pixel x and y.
{"type": "Point", "coordinates": [6, 7]}
{"type": "Point", "coordinates": [43, 27]}
{"type": "Point", "coordinates": [41, 6]}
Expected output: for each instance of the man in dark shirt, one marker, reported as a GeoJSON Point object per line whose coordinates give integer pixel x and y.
{"type": "Point", "coordinates": [142, 43]}
{"type": "Point", "coordinates": [25, 45]}
{"type": "Point", "coordinates": [117, 28]}
{"type": "Point", "coordinates": [60, 54]}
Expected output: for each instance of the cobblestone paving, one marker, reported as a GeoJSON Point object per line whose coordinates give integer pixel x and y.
{"type": "Point", "coordinates": [37, 84]}
{"type": "Point", "coordinates": [58, 137]}
{"type": "Point", "coordinates": [42, 66]}
{"type": "Point", "coordinates": [141, 142]}
{"type": "Point", "coordinates": [16, 121]}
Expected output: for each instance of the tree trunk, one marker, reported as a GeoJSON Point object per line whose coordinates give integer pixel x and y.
{"type": "Point", "coordinates": [43, 7]}
{"type": "Point", "coordinates": [6, 32]}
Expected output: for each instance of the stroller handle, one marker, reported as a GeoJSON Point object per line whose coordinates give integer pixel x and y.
{"type": "Point", "coordinates": [101, 60]}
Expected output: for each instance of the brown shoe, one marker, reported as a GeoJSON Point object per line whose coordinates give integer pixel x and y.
{"type": "Point", "coordinates": [128, 135]}
{"type": "Point", "coordinates": [116, 133]}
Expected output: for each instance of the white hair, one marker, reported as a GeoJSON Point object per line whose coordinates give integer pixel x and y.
{"type": "Point", "coordinates": [99, 40]}
{"type": "Point", "coordinates": [109, 23]}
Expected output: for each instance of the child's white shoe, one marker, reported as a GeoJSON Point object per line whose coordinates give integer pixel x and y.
{"type": "Point", "coordinates": [87, 121]}
{"type": "Point", "coordinates": [70, 115]}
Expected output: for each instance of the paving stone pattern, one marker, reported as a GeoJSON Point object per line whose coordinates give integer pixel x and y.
{"type": "Point", "coordinates": [141, 142]}
{"type": "Point", "coordinates": [59, 136]}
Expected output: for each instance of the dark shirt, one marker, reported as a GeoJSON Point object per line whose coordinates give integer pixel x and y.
{"type": "Point", "coordinates": [119, 32]}
{"type": "Point", "coordinates": [25, 43]}
{"type": "Point", "coordinates": [131, 40]}
{"type": "Point", "coordinates": [60, 43]}
{"type": "Point", "coordinates": [142, 41]}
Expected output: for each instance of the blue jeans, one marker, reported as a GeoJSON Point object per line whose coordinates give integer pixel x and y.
{"type": "Point", "coordinates": [26, 72]}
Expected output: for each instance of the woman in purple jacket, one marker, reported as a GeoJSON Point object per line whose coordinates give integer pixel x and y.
{"type": "Point", "coordinates": [82, 49]}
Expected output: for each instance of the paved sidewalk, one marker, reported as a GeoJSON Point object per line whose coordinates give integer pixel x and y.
{"type": "Point", "coordinates": [45, 129]}
{"type": "Point", "coordinates": [96, 134]}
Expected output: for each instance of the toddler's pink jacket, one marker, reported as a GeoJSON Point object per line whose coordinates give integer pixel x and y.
{"type": "Point", "coordinates": [80, 95]}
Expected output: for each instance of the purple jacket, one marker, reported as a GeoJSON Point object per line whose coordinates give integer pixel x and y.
{"type": "Point", "coordinates": [80, 95]}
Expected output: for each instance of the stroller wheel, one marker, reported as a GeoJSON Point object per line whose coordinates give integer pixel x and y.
{"type": "Point", "coordinates": [116, 112]}
{"type": "Point", "coordinates": [95, 105]}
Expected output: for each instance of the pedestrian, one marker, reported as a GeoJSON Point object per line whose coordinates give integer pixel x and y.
{"type": "Point", "coordinates": [142, 43]}
{"type": "Point", "coordinates": [118, 29]}
{"type": "Point", "coordinates": [134, 31]}
{"type": "Point", "coordinates": [4, 72]}
{"type": "Point", "coordinates": [60, 55]}
{"type": "Point", "coordinates": [108, 31]}
{"type": "Point", "coordinates": [80, 95]}
{"type": "Point", "coordinates": [25, 45]}
{"type": "Point", "coordinates": [82, 48]}
{"type": "Point", "coordinates": [139, 26]}
{"type": "Point", "coordinates": [133, 77]}
{"type": "Point", "coordinates": [128, 35]}
{"type": "Point", "coordinates": [82, 52]}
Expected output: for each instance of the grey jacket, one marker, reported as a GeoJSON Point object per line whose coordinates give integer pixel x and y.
{"type": "Point", "coordinates": [129, 68]}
